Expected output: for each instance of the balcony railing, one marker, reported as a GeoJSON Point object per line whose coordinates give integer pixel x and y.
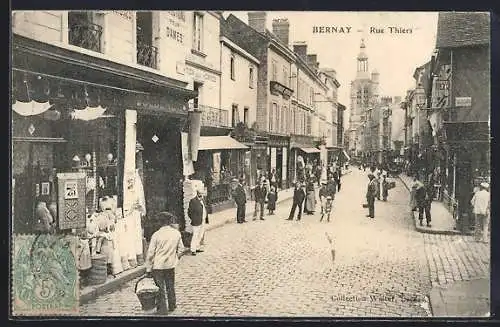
{"type": "Point", "coordinates": [213, 117]}
{"type": "Point", "coordinates": [86, 35]}
{"type": "Point", "coordinates": [147, 55]}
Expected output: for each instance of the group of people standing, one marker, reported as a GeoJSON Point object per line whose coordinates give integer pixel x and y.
{"type": "Point", "coordinates": [378, 188]}
{"type": "Point", "coordinates": [304, 195]}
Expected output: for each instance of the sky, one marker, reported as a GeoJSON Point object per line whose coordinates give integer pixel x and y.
{"type": "Point", "coordinates": [394, 55]}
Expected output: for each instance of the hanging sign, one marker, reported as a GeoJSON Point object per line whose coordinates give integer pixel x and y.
{"type": "Point", "coordinates": [463, 101]}
{"type": "Point", "coordinates": [71, 200]}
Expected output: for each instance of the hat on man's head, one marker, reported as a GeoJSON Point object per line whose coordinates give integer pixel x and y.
{"type": "Point", "coordinates": [323, 182]}
{"type": "Point", "coordinates": [484, 185]}
{"type": "Point", "coordinates": [371, 176]}
{"type": "Point", "coordinates": [234, 180]}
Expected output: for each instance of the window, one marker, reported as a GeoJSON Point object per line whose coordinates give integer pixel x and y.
{"type": "Point", "coordinates": [236, 115]}
{"type": "Point", "coordinates": [250, 77]}
{"type": "Point", "coordinates": [85, 30]}
{"type": "Point", "coordinates": [232, 67]}
{"type": "Point", "coordinates": [245, 116]}
{"type": "Point", "coordinates": [285, 76]}
{"type": "Point", "coordinates": [308, 126]}
{"type": "Point", "coordinates": [274, 70]}
{"type": "Point", "coordinates": [198, 32]}
{"type": "Point", "coordinates": [272, 116]}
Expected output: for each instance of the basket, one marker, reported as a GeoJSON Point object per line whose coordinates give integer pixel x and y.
{"type": "Point", "coordinates": [147, 295]}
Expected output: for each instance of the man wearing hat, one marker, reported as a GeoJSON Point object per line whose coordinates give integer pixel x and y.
{"type": "Point", "coordinates": [240, 198]}
{"type": "Point", "coordinates": [371, 194]}
{"type": "Point", "coordinates": [299, 196]}
{"type": "Point", "coordinates": [481, 209]}
{"type": "Point", "coordinates": [162, 257]}
{"type": "Point", "coordinates": [260, 194]}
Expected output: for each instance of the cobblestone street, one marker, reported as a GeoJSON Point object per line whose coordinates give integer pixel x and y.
{"type": "Point", "coordinates": [284, 268]}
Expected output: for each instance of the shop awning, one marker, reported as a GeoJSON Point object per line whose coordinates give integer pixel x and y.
{"type": "Point", "coordinates": [310, 150]}
{"type": "Point", "coordinates": [220, 143]}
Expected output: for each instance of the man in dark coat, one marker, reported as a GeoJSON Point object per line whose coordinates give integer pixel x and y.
{"type": "Point", "coordinates": [260, 194]}
{"type": "Point", "coordinates": [299, 196]}
{"type": "Point", "coordinates": [197, 212]}
{"type": "Point", "coordinates": [240, 198]}
{"type": "Point", "coordinates": [424, 196]}
{"type": "Point", "coordinates": [371, 194]}
{"type": "Point", "coordinates": [331, 187]}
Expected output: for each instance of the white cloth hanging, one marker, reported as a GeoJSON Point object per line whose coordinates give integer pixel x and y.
{"type": "Point", "coordinates": [30, 108]}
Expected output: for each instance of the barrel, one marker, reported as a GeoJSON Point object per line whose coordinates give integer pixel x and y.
{"type": "Point", "coordinates": [99, 271]}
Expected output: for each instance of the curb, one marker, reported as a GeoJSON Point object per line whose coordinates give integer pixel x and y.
{"type": "Point", "coordinates": [111, 285]}
{"type": "Point", "coordinates": [423, 229]}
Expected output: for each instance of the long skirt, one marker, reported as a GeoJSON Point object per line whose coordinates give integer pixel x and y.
{"type": "Point", "coordinates": [310, 202]}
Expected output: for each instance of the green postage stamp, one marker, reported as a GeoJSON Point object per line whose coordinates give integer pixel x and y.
{"type": "Point", "coordinates": [44, 275]}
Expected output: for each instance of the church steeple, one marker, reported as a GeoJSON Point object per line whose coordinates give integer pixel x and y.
{"type": "Point", "coordinates": [362, 58]}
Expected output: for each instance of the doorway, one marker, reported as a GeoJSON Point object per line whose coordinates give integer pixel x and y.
{"type": "Point", "coordinates": [162, 164]}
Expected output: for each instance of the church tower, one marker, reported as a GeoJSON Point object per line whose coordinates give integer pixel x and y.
{"type": "Point", "coordinates": [364, 95]}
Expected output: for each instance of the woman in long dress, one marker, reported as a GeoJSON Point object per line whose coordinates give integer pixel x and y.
{"type": "Point", "coordinates": [310, 198]}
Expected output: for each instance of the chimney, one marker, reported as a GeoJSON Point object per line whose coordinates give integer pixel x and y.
{"type": "Point", "coordinates": [300, 48]}
{"type": "Point", "coordinates": [281, 28]}
{"type": "Point", "coordinates": [312, 59]}
{"type": "Point", "coordinates": [257, 20]}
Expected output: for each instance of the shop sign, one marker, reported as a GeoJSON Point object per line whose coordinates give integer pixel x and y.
{"type": "Point", "coordinates": [200, 75]}
{"type": "Point", "coordinates": [463, 101]}
{"type": "Point", "coordinates": [71, 200]}
{"type": "Point", "coordinates": [157, 103]}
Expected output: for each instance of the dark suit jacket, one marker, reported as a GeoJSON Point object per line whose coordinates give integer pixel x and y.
{"type": "Point", "coordinates": [299, 195]}
{"type": "Point", "coordinates": [195, 212]}
{"type": "Point", "coordinates": [260, 193]}
{"type": "Point", "coordinates": [239, 196]}
{"type": "Point", "coordinates": [372, 189]}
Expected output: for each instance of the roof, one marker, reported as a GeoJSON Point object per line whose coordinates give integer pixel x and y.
{"type": "Point", "coordinates": [219, 143]}
{"type": "Point", "coordinates": [461, 29]}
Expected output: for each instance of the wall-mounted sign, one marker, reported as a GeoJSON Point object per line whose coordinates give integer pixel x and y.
{"type": "Point", "coordinates": [156, 103]}
{"type": "Point", "coordinates": [200, 75]}
{"type": "Point", "coordinates": [463, 101]}
{"type": "Point", "coordinates": [71, 200]}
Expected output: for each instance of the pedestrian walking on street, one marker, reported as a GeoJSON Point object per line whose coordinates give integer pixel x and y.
{"type": "Point", "coordinates": [260, 193]}
{"type": "Point", "coordinates": [371, 194]}
{"type": "Point", "coordinates": [240, 199]}
{"type": "Point", "coordinates": [310, 206]}
{"type": "Point", "coordinates": [336, 177]}
{"type": "Point", "coordinates": [197, 212]}
{"type": "Point", "coordinates": [481, 208]}
{"type": "Point", "coordinates": [324, 198]}
{"type": "Point", "coordinates": [164, 251]}
{"type": "Point", "coordinates": [413, 199]}
{"type": "Point", "coordinates": [423, 199]}
{"type": "Point", "coordinates": [385, 187]}
{"type": "Point", "coordinates": [331, 187]}
{"type": "Point", "coordinates": [272, 197]}
{"type": "Point", "coordinates": [299, 196]}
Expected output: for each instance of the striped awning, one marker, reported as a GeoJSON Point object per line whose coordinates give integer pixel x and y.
{"type": "Point", "coordinates": [220, 143]}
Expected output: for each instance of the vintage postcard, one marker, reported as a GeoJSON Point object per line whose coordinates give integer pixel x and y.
{"type": "Point", "coordinates": [250, 164]}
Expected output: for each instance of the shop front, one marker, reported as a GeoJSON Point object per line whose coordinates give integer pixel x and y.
{"type": "Point", "coordinates": [278, 152]}
{"type": "Point", "coordinates": [303, 154]}
{"type": "Point", "coordinates": [77, 166]}
{"type": "Point", "coordinates": [220, 160]}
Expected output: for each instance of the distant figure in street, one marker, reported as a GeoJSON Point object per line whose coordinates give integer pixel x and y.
{"type": "Point", "coordinates": [423, 197]}
{"type": "Point", "coordinates": [162, 257]}
{"type": "Point", "coordinates": [413, 193]}
{"type": "Point", "coordinates": [298, 200]}
{"type": "Point", "coordinates": [481, 208]}
{"type": "Point", "coordinates": [197, 212]}
{"type": "Point", "coordinates": [240, 199]}
{"type": "Point", "coordinates": [325, 200]}
{"type": "Point", "coordinates": [336, 177]}
{"type": "Point", "coordinates": [310, 206]}
{"type": "Point", "coordinates": [260, 193]}
{"type": "Point", "coordinates": [371, 194]}
{"type": "Point", "coordinates": [272, 197]}
{"type": "Point", "coordinates": [273, 180]}
{"type": "Point", "coordinates": [385, 187]}
{"type": "Point", "coordinates": [331, 187]}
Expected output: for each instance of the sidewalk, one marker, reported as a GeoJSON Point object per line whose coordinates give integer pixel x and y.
{"type": "Point", "coordinates": [442, 220]}
{"type": "Point", "coordinates": [462, 299]}
{"type": "Point", "coordinates": [217, 220]}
